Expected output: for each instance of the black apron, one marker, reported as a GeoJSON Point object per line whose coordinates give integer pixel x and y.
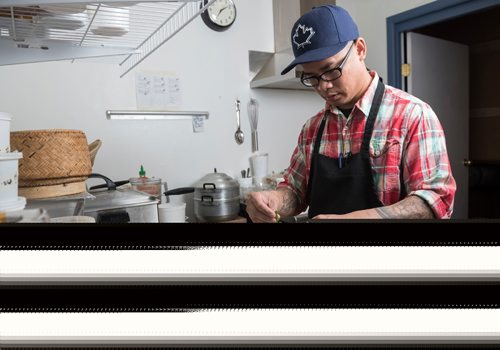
{"type": "Point", "coordinates": [340, 186]}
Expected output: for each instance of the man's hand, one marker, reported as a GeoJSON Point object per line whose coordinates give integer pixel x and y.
{"type": "Point", "coordinates": [269, 206]}
{"type": "Point", "coordinates": [262, 206]}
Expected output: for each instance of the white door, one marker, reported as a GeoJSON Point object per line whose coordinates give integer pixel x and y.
{"type": "Point", "coordinates": [440, 77]}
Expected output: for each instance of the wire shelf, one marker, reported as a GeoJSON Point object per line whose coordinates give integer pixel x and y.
{"type": "Point", "coordinates": [72, 30]}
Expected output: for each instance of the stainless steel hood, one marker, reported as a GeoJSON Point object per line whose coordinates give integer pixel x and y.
{"type": "Point", "coordinates": [266, 67]}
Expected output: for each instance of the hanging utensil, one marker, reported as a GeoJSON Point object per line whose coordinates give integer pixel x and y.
{"type": "Point", "coordinates": [238, 135]}
{"type": "Point", "coordinates": [253, 116]}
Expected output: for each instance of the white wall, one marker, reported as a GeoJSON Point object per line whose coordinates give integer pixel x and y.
{"type": "Point", "coordinates": [213, 68]}
{"type": "Point", "coordinates": [371, 15]}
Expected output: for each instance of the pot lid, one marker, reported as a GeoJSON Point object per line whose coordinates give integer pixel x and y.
{"type": "Point", "coordinates": [118, 199]}
{"type": "Point", "coordinates": [216, 180]}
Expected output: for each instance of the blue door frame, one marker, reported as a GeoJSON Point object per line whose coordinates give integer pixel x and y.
{"type": "Point", "coordinates": [434, 12]}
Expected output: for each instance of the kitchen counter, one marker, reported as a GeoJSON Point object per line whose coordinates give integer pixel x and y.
{"type": "Point", "coordinates": [238, 220]}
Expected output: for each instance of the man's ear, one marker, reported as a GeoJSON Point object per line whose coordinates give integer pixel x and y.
{"type": "Point", "coordinates": [360, 48]}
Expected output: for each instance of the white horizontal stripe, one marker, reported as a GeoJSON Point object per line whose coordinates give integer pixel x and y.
{"type": "Point", "coordinates": [241, 325]}
{"type": "Point", "coordinates": [253, 262]}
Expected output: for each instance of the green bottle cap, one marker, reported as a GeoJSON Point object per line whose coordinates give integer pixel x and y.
{"type": "Point", "coordinates": [142, 172]}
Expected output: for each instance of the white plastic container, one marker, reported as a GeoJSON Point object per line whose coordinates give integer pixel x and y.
{"type": "Point", "coordinates": [111, 21]}
{"type": "Point", "coordinates": [16, 205]}
{"type": "Point", "coordinates": [5, 119]}
{"type": "Point", "coordinates": [259, 164]}
{"type": "Point", "coordinates": [72, 21]}
{"type": "Point", "coordinates": [246, 186]}
{"type": "Point", "coordinates": [169, 212]}
{"type": "Point", "coordinates": [64, 9]}
{"type": "Point", "coordinates": [9, 176]}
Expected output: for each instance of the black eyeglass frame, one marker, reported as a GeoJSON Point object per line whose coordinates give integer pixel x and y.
{"type": "Point", "coordinates": [321, 76]}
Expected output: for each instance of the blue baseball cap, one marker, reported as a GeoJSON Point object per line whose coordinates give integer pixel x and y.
{"type": "Point", "coordinates": [321, 33]}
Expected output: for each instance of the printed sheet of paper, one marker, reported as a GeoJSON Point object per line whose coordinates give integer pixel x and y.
{"type": "Point", "coordinates": [158, 90]}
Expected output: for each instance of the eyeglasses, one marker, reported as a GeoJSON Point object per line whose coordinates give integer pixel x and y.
{"type": "Point", "coordinates": [329, 75]}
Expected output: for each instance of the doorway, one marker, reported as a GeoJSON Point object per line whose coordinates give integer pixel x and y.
{"type": "Point", "coordinates": [474, 24]}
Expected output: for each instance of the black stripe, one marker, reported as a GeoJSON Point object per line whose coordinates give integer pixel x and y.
{"type": "Point", "coordinates": [182, 236]}
{"type": "Point", "coordinates": [185, 298]}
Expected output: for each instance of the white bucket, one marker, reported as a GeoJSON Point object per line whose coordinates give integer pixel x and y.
{"type": "Point", "coordinates": [5, 119]}
{"type": "Point", "coordinates": [9, 176]}
{"type": "Point", "coordinates": [170, 212]}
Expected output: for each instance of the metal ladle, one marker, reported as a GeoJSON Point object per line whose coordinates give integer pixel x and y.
{"type": "Point", "coordinates": [238, 135]}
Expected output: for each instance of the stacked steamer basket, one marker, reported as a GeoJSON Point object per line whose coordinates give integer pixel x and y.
{"type": "Point", "coordinates": [55, 162]}
{"type": "Point", "coordinates": [9, 175]}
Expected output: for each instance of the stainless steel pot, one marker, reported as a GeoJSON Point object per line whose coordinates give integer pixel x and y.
{"type": "Point", "coordinates": [115, 205]}
{"type": "Point", "coordinates": [216, 198]}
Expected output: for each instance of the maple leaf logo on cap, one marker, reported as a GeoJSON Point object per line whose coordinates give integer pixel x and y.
{"type": "Point", "coordinates": [303, 35]}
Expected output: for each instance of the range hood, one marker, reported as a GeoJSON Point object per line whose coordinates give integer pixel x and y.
{"type": "Point", "coordinates": [266, 67]}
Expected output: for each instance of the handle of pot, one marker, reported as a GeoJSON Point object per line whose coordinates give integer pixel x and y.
{"type": "Point", "coordinates": [205, 199]}
{"type": "Point", "coordinates": [109, 183]}
{"type": "Point", "coordinates": [117, 183]}
{"type": "Point", "coordinates": [177, 191]}
{"type": "Point", "coordinates": [205, 185]}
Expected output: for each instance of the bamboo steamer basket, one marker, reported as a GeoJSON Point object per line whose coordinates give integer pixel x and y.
{"type": "Point", "coordinates": [55, 162]}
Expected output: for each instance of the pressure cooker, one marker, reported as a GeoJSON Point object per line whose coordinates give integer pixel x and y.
{"type": "Point", "coordinates": [216, 197]}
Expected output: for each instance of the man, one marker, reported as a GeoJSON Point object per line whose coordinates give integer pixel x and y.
{"type": "Point", "coordinates": [373, 152]}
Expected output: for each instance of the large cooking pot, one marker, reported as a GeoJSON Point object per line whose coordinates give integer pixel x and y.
{"type": "Point", "coordinates": [216, 198]}
{"type": "Point", "coordinates": [116, 205]}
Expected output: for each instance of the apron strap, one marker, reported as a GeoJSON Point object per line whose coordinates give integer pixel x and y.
{"type": "Point", "coordinates": [370, 122]}
{"type": "Point", "coordinates": [317, 144]}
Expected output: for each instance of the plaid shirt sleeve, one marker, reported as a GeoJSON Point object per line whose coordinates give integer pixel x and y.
{"type": "Point", "coordinates": [295, 174]}
{"type": "Point", "coordinates": [427, 169]}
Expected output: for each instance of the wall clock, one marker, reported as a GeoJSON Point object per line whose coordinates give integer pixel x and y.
{"type": "Point", "coordinates": [220, 15]}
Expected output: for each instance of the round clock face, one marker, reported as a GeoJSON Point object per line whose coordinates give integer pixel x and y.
{"type": "Point", "coordinates": [220, 15]}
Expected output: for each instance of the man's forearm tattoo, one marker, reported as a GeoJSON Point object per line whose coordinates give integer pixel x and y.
{"type": "Point", "coordinates": [412, 207]}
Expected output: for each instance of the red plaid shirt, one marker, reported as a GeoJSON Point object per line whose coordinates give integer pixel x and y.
{"type": "Point", "coordinates": [407, 132]}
